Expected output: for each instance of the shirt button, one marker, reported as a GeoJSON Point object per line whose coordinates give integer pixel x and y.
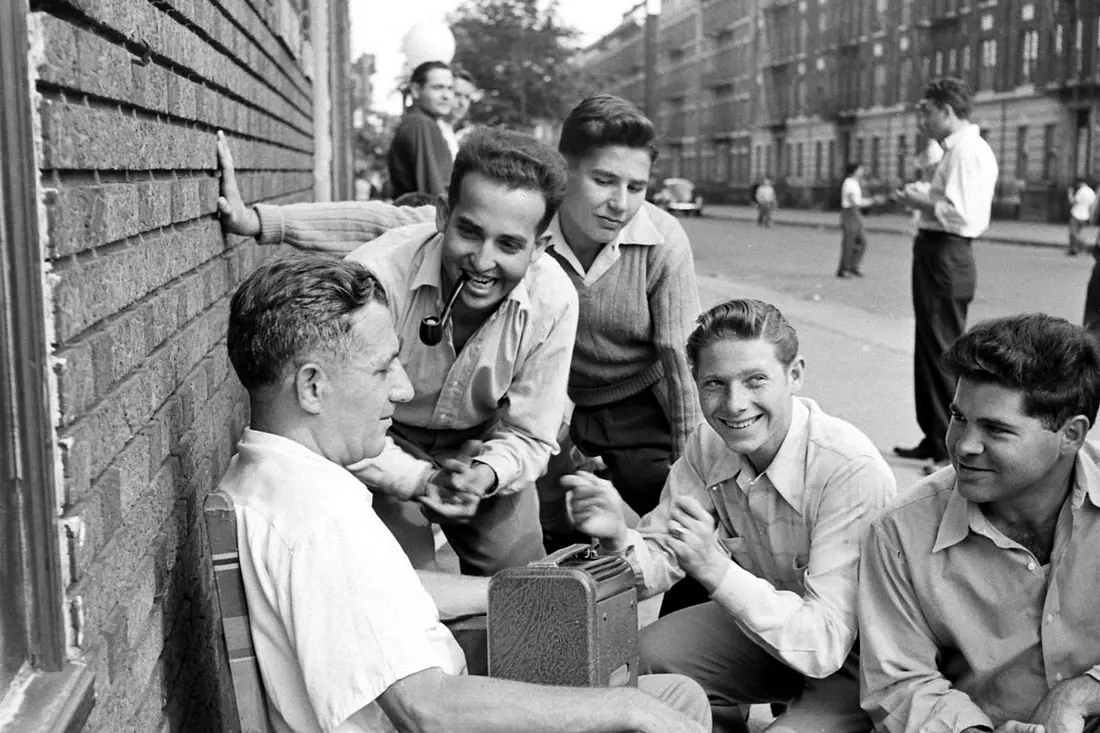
{"type": "Point", "coordinates": [1059, 677]}
{"type": "Point", "coordinates": [1050, 618]}
{"type": "Point", "coordinates": [1031, 566]}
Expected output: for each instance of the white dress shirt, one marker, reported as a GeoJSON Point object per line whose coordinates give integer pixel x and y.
{"type": "Point", "coordinates": [851, 194]}
{"type": "Point", "coordinates": [963, 185]}
{"type": "Point", "coordinates": [1083, 201]}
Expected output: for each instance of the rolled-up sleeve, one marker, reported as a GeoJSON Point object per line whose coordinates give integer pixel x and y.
{"type": "Point", "coordinates": [902, 688]}
{"type": "Point", "coordinates": [814, 632]}
{"type": "Point", "coordinates": [335, 228]}
{"type": "Point", "coordinates": [394, 472]}
{"type": "Point", "coordinates": [968, 193]}
{"type": "Point", "coordinates": [521, 442]}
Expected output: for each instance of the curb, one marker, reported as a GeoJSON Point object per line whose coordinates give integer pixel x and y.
{"type": "Point", "coordinates": [882, 229]}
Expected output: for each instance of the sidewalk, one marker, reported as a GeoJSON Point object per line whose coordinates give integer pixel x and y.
{"type": "Point", "coordinates": [1025, 233]}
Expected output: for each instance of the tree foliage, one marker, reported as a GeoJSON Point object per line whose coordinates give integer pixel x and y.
{"type": "Point", "coordinates": [520, 54]}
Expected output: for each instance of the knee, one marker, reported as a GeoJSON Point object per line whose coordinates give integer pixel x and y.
{"type": "Point", "coordinates": [657, 649]}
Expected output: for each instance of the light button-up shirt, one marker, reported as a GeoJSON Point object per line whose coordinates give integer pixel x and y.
{"type": "Point", "coordinates": [793, 533]}
{"type": "Point", "coordinates": [961, 626]}
{"type": "Point", "coordinates": [963, 185]}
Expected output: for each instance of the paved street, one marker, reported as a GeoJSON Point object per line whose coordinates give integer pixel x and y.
{"type": "Point", "coordinates": [857, 333]}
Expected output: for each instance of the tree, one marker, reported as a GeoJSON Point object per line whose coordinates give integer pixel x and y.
{"type": "Point", "coordinates": [522, 57]}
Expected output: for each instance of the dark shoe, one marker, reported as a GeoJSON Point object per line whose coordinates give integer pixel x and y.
{"type": "Point", "coordinates": [920, 452]}
{"type": "Point", "coordinates": [843, 273]}
{"type": "Point", "coordinates": [857, 273]}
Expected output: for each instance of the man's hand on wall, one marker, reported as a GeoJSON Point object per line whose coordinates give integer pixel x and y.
{"type": "Point", "coordinates": [237, 218]}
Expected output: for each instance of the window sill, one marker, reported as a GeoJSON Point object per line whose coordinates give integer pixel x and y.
{"type": "Point", "coordinates": [55, 702]}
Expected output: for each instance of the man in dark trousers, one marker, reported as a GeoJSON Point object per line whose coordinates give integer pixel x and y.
{"type": "Point", "coordinates": [419, 158]}
{"type": "Point", "coordinates": [953, 212]}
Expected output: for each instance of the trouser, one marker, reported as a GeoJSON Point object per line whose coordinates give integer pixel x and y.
{"type": "Point", "coordinates": [853, 242]}
{"type": "Point", "coordinates": [503, 533]}
{"type": "Point", "coordinates": [704, 643]}
{"type": "Point", "coordinates": [944, 281]}
{"type": "Point", "coordinates": [634, 438]}
{"type": "Point", "coordinates": [764, 215]}
{"type": "Point", "coordinates": [1077, 241]}
{"type": "Point", "coordinates": [1092, 295]}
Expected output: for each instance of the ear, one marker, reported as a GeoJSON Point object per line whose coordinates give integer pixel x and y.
{"type": "Point", "coordinates": [540, 245]}
{"type": "Point", "coordinates": [1073, 434]}
{"type": "Point", "coordinates": [310, 386]}
{"type": "Point", "coordinates": [442, 214]}
{"type": "Point", "coordinates": [795, 373]}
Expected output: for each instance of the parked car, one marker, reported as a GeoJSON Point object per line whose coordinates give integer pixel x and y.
{"type": "Point", "coordinates": [679, 195]}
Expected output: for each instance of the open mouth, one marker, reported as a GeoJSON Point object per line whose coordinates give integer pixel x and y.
{"type": "Point", "coordinates": [480, 283]}
{"type": "Point", "coordinates": [741, 424]}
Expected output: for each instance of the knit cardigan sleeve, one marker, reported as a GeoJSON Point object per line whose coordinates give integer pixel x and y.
{"type": "Point", "coordinates": [335, 228]}
{"type": "Point", "coordinates": [674, 306]}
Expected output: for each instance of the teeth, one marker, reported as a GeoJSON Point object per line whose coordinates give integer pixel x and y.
{"type": "Point", "coordinates": [481, 280]}
{"type": "Point", "coordinates": [737, 425]}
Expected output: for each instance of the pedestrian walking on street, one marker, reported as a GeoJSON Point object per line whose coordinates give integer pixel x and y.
{"type": "Point", "coordinates": [853, 239]}
{"type": "Point", "coordinates": [764, 196]}
{"type": "Point", "coordinates": [954, 211]}
{"type": "Point", "coordinates": [1082, 201]}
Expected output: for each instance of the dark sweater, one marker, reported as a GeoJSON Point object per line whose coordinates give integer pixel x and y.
{"type": "Point", "coordinates": [419, 159]}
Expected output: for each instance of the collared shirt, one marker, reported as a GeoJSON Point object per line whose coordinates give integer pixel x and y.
{"type": "Point", "coordinates": [851, 194]}
{"type": "Point", "coordinates": [963, 185]}
{"type": "Point", "coordinates": [336, 610]}
{"type": "Point", "coordinates": [961, 626]}
{"type": "Point", "coordinates": [793, 533]}
{"type": "Point", "coordinates": [640, 230]}
{"type": "Point", "coordinates": [1083, 200]}
{"type": "Point", "coordinates": [510, 377]}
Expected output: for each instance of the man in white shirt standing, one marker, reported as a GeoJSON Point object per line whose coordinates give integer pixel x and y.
{"type": "Point", "coordinates": [1082, 200]}
{"type": "Point", "coordinates": [853, 240]}
{"type": "Point", "coordinates": [954, 211]}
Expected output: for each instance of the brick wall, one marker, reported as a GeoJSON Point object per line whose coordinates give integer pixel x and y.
{"type": "Point", "coordinates": [130, 93]}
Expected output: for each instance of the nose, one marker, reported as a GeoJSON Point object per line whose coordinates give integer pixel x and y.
{"type": "Point", "coordinates": [617, 201]}
{"type": "Point", "coordinates": [966, 439]}
{"type": "Point", "coordinates": [736, 399]}
{"type": "Point", "coordinates": [483, 257]}
{"type": "Point", "coordinates": [402, 389]}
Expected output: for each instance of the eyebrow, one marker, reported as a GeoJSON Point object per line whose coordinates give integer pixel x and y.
{"type": "Point", "coordinates": [466, 222]}
{"type": "Point", "coordinates": [984, 420]}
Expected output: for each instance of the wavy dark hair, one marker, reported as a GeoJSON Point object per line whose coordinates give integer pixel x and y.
{"type": "Point", "coordinates": [289, 309]}
{"type": "Point", "coordinates": [743, 319]}
{"type": "Point", "coordinates": [1054, 363]}
{"type": "Point", "coordinates": [515, 160]}
{"type": "Point", "coordinates": [950, 91]}
{"type": "Point", "coordinates": [603, 120]}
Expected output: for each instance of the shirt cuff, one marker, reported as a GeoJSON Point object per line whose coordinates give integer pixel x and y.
{"type": "Point", "coordinates": [1094, 672]}
{"type": "Point", "coordinates": [506, 473]}
{"type": "Point", "coordinates": [272, 224]}
{"type": "Point", "coordinates": [735, 592]}
{"type": "Point", "coordinates": [407, 483]}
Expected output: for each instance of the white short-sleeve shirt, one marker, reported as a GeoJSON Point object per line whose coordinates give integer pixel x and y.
{"type": "Point", "coordinates": [1083, 201]}
{"type": "Point", "coordinates": [336, 610]}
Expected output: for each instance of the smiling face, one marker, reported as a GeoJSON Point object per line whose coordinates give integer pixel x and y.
{"type": "Point", "coordinates": [747, 395]}
{"type": "Point", "coordinates": [491, 236]}
{"type": "Point", "coordinates": [362, 387]}
{"type": "Point", "coordinates": [606, 188]}
{"type": "Point", "coordinates": [436, 95]}
{"type": "Point", "coordinates": [1000, 453]}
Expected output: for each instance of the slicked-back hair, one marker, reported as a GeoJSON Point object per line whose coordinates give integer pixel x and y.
{"type": "Point", "coordinates": [1054, 363]}
{"type": "Point", "coordinates": [743, 319]}
{"type": "Point", "coordinates": [602, 120]}
{"type": "Point", "coordinates": [420, 73]}
{"type": "Point", "coordinates": [949, 90]}
{"type": "Point", "coordinates": [514, 160]}
{"type": "Point", "coordinates": [289, 309]}
{"type": "Point", "coordinates": [851, 168]}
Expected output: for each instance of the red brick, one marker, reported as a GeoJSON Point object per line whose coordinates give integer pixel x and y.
{"type": "Point", "coordinates": [133, 466]}
{"type": "Point", "coordinates": [120, 348]}
{"type": "Point", "coordinates": [76, 463]}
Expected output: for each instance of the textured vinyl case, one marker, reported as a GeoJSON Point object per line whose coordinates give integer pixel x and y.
{"type": "Point", "coordinates": [571, 619]}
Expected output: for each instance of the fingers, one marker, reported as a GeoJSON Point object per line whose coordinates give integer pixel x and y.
{"type": "Point", "coordinates": [225, 160]}
{"type": "Point", "coordinates": [690, 505]}
{"type": "Point", "coordinates": [1015, 726]}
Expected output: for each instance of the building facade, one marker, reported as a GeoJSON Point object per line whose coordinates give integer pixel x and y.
{"type": "Point", "coordinates": [795, 89]}
{"type": "Point", "coordinates": [118, 407]}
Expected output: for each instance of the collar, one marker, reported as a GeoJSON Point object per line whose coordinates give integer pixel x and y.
{"type": "Point", "coordinates": [639, 230]}
{"type": "Point", "coordinates": [960, 514]}
{"type": "Point", "coordinates": [430, 273]}
{"type": "Point", "coordinates": [968, 131]}
{"type": "Point", "coordinates": [258, 440]}
{"type": "Point", "coordinates": [787, 472]}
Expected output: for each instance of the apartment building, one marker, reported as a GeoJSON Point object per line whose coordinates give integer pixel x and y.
{"type": "Point", "coordinates": [795, 89]}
